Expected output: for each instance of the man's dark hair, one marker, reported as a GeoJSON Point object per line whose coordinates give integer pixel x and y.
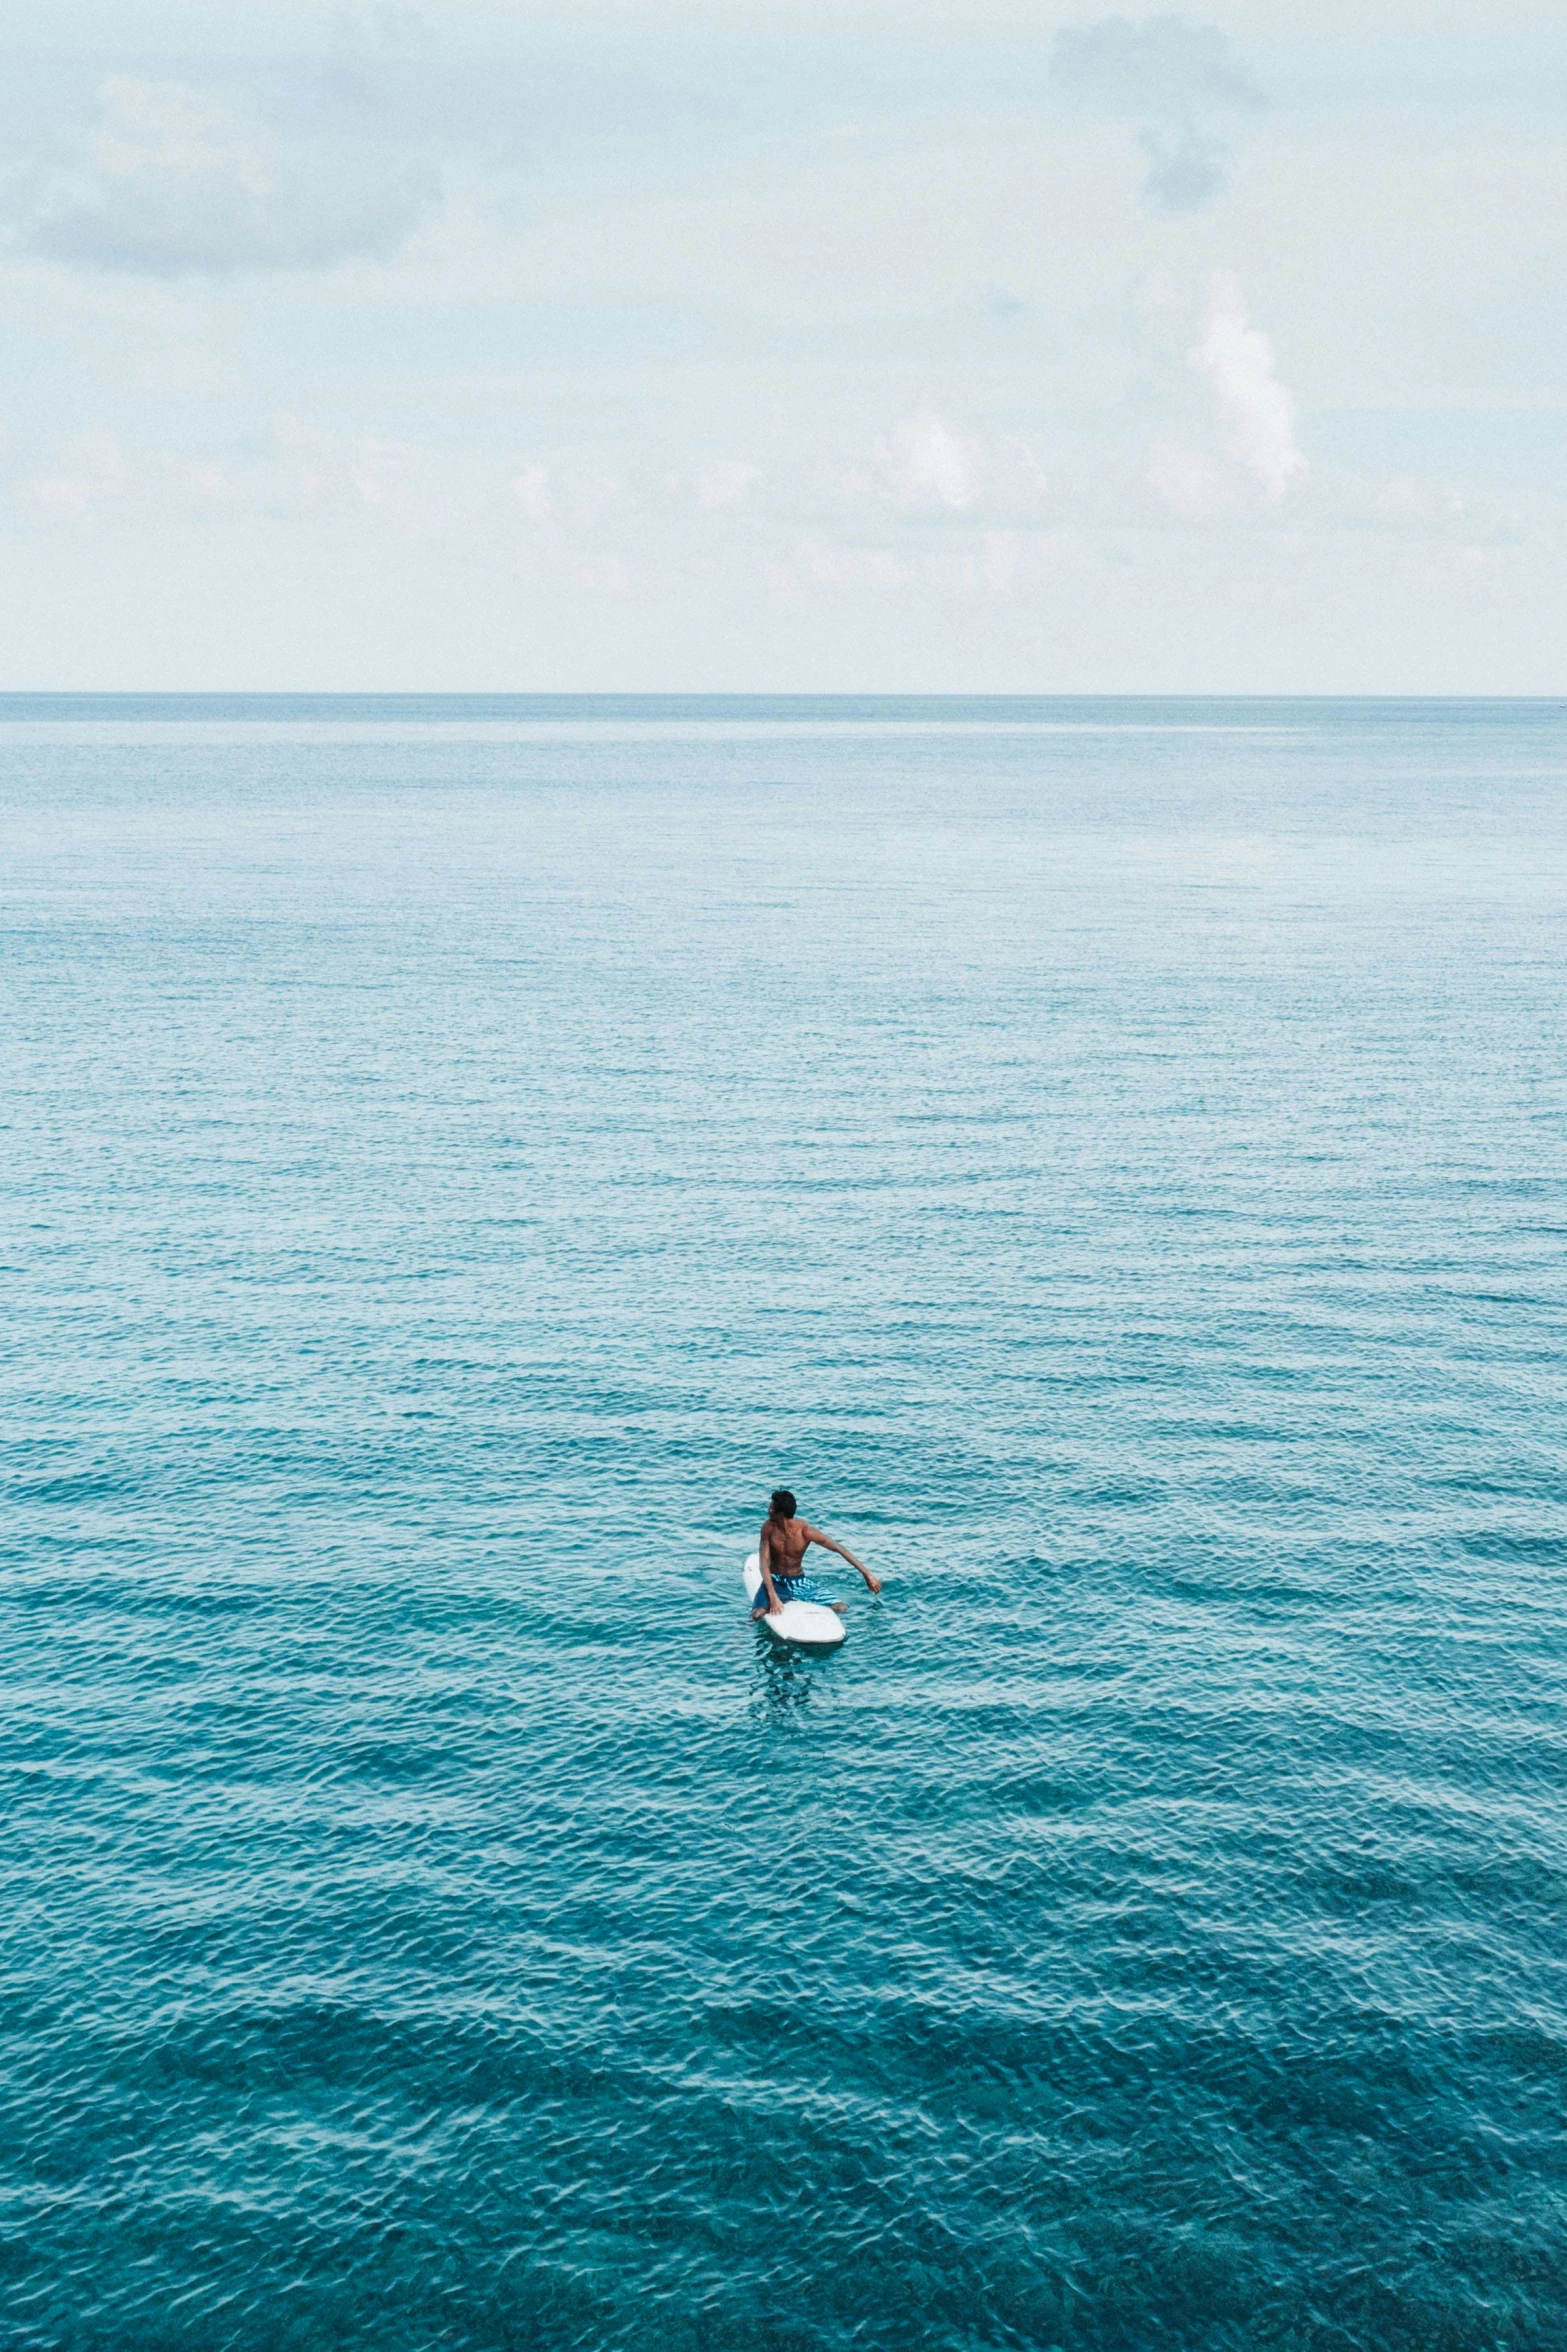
{"type": "Point", "coordinates": [783, 1503]}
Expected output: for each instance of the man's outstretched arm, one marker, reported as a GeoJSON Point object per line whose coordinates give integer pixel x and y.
{"type": "Point", "coordinates": [815, 1535]}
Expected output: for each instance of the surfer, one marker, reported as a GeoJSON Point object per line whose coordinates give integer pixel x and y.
{"type": "Point", "coordinates": [783, 1546]}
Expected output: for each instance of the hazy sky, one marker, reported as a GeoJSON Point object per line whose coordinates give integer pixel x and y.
{"type": "Point", "coordinates": [656, 345]}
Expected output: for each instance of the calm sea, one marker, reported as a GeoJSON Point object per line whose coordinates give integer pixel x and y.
{"type": "Point", "coordinates": [1111, 1160]}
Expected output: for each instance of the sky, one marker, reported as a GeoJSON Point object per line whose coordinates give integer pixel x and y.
{"type": "Point", "coordinates": [661, 346]}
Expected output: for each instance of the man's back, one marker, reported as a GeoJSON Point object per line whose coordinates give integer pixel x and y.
{"type": "Point", "coordinates": [782, 1545]}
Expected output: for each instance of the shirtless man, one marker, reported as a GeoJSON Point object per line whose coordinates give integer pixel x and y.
{"type": "Point", "coordinates": [783, 1547]}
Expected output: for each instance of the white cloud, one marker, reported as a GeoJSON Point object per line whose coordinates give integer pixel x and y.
{"type": "Point", "coordinates": [1407, 501]}
{"type": "Point", "coordinates": [1171, 77]}
{"type": "Point", "coordinates": [1442, 512]}
{"type": "Point", "coordinates": [66, 493]}
{"type": "Point", "coordinates": [1187, 483]}
{"type": "Point", "coordinates": [383, 25]}
{"type": "Point", "coordinates": [530, 486]}
{"type": "Point", "coordinates": [1033, 472]}
{"type": "Point", "coordinates": [377, 471]}
{"type": "Point", "coordinates": [604, 575]}
{"type": "Point", "coordinates": [999, 558]}
{"type": "Point", "coordinates": [1255, 410]}
{"type": "Point", "coordinates": [851, 567]}
{"type": "Point", "coordinates": [170, 181]}
{"type": "Point", "coordinates": [927, 462]}
{"type": "Point", "coordinates": [728, 481]}
{"type": "Point", "coordinates": [329, 470]}
{"type": "Point", "coordinates": [591, 499]}
{"type": "Point", "coordinates": [88, 470]}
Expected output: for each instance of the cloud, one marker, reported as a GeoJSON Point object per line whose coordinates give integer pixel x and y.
{"type": "Point", "coordinates": [1163, 65]}
{"type": "Point", "coordinates": [170, 182]}
{"type": "Point", "coordinates": [1186, 167]}
{"type": "Point", "coordinates": [992, 561]}
{"type": "Point", "coordinates": [383, 25]}
{"type": "Point", "coordinates": [1032, 471]}
{"type": "Point", "coordinates": [926, 462]}
{"type": "Point", "coordinates": [94, 469]}
{"type": "Point", "coordinates": [604, 575]}
{"type": "Point", "coordinates": [325, 470]}
{"type": "Point", "coordinates": [1407, 501]}
{"type": "Point", "coordinates": [377, 471]}
{"type": "Point", "coordinates": [66, 493]}
{"type": "Point", "coordinates": [728, 481]}
{"type": "Point", "coordinates": [530, 486]}
{"type": "Point", "coordinates": [1441, 511]}
{"type": "Point", "coordinates": [1000, 554]}
{"type": "Point", "coordinates": [1172, 78]}
{"type": "Point", "coordinates": [1187, 483]}
{"type": "Point", "coordinates": [1254, 408]}
{"type": "Point", "coordinates": [851, 567]}
{"type": "Point", "coordinates": [592, 499]}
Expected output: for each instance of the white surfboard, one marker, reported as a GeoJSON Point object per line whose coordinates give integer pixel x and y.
{"type": "Point", "coordinates": [810, 1622]}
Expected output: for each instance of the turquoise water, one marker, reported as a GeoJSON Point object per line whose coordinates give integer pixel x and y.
{"type": "Point", "coordinates": [1109, 1159]}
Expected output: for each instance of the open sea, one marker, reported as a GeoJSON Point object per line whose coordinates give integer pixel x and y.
{"type": "Point", "coordinates": [1110, 1158]}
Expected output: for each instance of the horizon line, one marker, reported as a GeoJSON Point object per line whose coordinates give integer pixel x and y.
{"type": "Point", "coordinates": [696, 698]}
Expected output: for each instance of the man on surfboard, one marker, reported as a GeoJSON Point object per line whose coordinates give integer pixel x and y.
{"type": "Point", "coordinates": [781, 1549]}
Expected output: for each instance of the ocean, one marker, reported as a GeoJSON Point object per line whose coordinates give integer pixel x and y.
{"type": "Point", "coordinates": [1110, 1159]}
